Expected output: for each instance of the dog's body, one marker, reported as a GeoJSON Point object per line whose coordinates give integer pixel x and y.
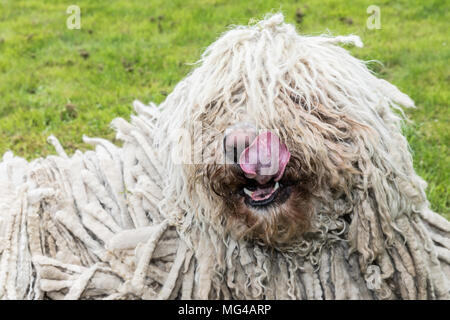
{"type": "Point", "coordinates": [339, 214]}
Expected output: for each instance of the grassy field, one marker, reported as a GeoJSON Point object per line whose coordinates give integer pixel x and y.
{"type": "Point", "coordinates": [54, 80]}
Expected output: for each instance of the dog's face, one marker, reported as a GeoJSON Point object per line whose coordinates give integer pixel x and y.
{"type": "Point", "coordinates": [288, 126]}
{"type": "Point", "coordinates": [270, 179]}
{"type": "Point", "coordinates": [264, 192]}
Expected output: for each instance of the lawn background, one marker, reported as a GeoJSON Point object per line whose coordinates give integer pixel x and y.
{"type": "Point", "coordinates": [68, 82]}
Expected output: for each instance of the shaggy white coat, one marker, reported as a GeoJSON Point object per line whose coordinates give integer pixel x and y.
{"type": "Point", "coordinates": [135, 222]}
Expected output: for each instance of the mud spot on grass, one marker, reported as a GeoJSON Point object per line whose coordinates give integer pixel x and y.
{"type": "Point", "coordinates": [346, 20]}
{"type": "Point", "coordinates": [299, 15]}
{"type": "Point", "coordinates": [70, 112]}
{"type": "Point", "coordinates": [84, 54]}
{"type": "Point", "coordinates": [128, 65]}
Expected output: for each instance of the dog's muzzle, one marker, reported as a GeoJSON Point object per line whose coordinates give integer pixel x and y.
{"type": "Point", "coordinates": [262, 159]}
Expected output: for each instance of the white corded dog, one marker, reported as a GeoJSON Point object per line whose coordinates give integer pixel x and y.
{"type": "Point", "coordinates": [275, 170]}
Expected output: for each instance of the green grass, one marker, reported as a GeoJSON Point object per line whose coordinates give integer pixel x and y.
{"type": "Point", "coordinates": [141, 49]}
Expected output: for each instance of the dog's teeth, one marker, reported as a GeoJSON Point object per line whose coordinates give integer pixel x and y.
{"type": "Point", "coordinates": [276, 186]}
{"type": "Point", "coordinates": [248, 192]}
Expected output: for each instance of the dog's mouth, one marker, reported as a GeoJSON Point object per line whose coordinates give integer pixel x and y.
{"type": "Point", "coordinates": [262, 193]}
{"type": "Point", "coordinates": [260, 196]}
{"type": "Point", "coordinates": [262, 161]}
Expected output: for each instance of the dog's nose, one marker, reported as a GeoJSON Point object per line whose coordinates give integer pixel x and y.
{"type": "Point", "coordinates": [237, 139]}
{"type": "Point", "coordinates": [265, 159]}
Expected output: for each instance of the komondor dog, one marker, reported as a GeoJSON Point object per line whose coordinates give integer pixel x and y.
{"type": "Point", "coordinates": [275, 170]}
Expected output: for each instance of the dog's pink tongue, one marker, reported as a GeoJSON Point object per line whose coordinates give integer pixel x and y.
{"type": "Point", "coordinates": [262, 194]}
{"type": "Point", "coordinates": [265, 158]}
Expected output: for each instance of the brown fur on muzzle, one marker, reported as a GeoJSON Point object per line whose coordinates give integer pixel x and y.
{"type": "Point", "coordinates": [289, 216]}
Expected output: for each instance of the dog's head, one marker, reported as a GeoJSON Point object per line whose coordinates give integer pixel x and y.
{"type": "Point", "coordinates": [271, 180]}
{"type": "Point", "coordinates": [273, 127]}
